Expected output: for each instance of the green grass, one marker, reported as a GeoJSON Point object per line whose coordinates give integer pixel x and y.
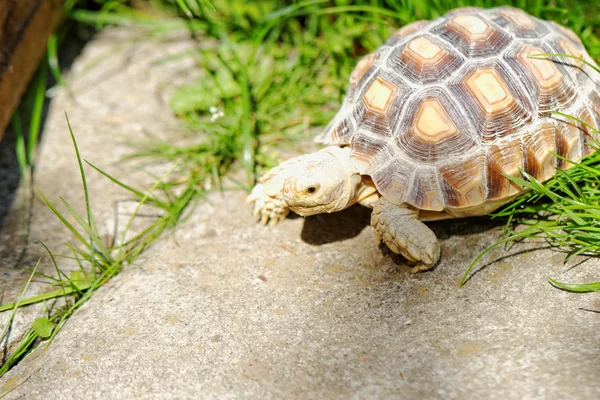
{"type": "Point", "coordinates": [98, 263]}
{"type": "Point", "coordinates": [271, 73]}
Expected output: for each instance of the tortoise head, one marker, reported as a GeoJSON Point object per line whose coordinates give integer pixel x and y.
{"type": "Point", "coordinates": [323, 182]}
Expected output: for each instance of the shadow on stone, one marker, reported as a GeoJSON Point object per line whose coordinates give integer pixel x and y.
{"type": "Point", "coordinates": [464, 226]}
{"type": "Point", "coordinates": [329, 228]}
{"type": "Point", "coordinates": [9, 174]}
{"type": "Point", "coordinates": [349, 223]}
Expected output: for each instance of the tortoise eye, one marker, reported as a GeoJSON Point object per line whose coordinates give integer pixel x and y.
{"type": "Point", "coordinates": [311, 189]}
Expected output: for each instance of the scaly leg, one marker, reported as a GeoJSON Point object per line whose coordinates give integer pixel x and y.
{"type": "Point", "coordinates": [401, 230]}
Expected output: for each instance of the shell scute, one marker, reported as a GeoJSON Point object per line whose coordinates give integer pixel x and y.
{"type": "Point", "coordinates": [365, 68]}
{"type": "Point", "coordinates": [538, 148]}
{"type": "Point", "coordinates": [364, 65]}
{"type": "Point", "coordinates": [379, 107]}
{"type": "Point", "coordinates": [490, 90]}
{"type": "Point", "coordinates": [339, 131]}
{"type": "Point", "coordinates": [424, 190]}
{"type": "Point", "coordinates": [504, 157]}
{"type": "Point", "coordinates": [584, 75]}
{"type": "Point", "coordinates": [424, 60]}
{"type": "Point", "coordinates": [406, 31]}
{"type": "Point", "coordinates": [519, 23]}
{"type": "Point", "coordinates": [569, 143]}
{"type": "Point", "coordinates": [491, 96]}
{"type": "Point", "coordinates": [379, 96]}
{"type": "Point", "coordinates": [433, 124]}
{"type": "Point", "coordinates": [586, 128]}
{"type": "Point", "coordinates": [567, 32]}
{"type": "Point", "coordinates": [393, 179]}
{"type": "Point", "coordinates": [569, 48]}
{"type": "Point", "coordinates": [434, 129]}
{"type": "Point", "coordinates": [518, 18]}
{"type": "Point", "coordinates": [473, 35]}
{"type": "Point", "coordinates": [370, 153]}
{"type": "Point", "coordinates": [464, 180]}
{"type": "Point", "coordinates": [594, 102]}
{"type": "Point", "coordinates": [542, 76]}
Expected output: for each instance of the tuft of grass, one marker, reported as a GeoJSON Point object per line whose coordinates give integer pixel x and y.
{"type": "Point", "coordinates": [98, 263]}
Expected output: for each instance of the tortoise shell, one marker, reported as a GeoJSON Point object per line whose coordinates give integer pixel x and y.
{"type": "Point", "coordinates": [444, 108]}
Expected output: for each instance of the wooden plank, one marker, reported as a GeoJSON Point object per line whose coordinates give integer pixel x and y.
{"type": "Point", "coordinates": [25, 26]}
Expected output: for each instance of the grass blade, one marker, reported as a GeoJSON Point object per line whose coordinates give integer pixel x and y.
{"type": "Point", "coordinates": [576, 287]}
{"type": "Point", "coordinates": [82, 172]}
{"type": "Point", "coordinates": [47, 296]}
{"type": "Point", "coordinates": [40, 85]}
{"type": "Point", "coordinates": [15, 305]}
{"type": "Point", "coordinates": [154, 201]}
{"type": "Point", "coordinates": [20, 149]}
{"type": "Point", "coordinates": [92, 234]}
{"type": "Point", "coordinates": [64, 220]}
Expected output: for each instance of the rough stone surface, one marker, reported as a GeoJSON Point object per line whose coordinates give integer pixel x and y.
{"type": "Point", "coordinates": [311, 308]}
{"type": "Point", "coordinates": [110, 105]}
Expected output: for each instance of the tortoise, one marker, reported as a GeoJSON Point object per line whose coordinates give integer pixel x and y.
{"type": "Point", "coordinates": [434, 120]}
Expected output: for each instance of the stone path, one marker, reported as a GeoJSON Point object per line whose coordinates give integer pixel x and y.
{"type": "Point", "coordinates": [315, 308]}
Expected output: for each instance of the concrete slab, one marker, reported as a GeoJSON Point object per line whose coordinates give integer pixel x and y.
{"type": "Point", "coordinates": [118, 93]}
{"type": "Point", "coordinates": [315, 308]}
{"type": "Point", "coordinates": [225, 308]}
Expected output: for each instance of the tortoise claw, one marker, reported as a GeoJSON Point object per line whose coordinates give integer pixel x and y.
{"type": "Point", "coordinates": [268, 207]}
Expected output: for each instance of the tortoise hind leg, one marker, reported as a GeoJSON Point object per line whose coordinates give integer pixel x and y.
{"type": "Point", "coordinates": [401, 230]}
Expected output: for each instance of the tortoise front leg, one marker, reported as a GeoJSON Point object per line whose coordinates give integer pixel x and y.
{"type": "Point", "coordinates": [401, 230]}
{"type": "Point", "coordinates": [266, 195]}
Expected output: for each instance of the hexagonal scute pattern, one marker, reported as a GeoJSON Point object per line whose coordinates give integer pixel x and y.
{"type": "Point", "coordinates": [434, 129]}
{"type": "Point", "coordinates": [473, 35]}
{"type": "Point", "coordinates": [494, 100]}
{"type": "Point", "coordinates": [424, 59]}
{"type": "Point", "coordinates": [379, 107]}
{"type": "Point", "coordinates": [519, 23]}
{"type": "Point", "coordinates": [446, 108]}
{"type": "Point", "coordinates": [546, 79]}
